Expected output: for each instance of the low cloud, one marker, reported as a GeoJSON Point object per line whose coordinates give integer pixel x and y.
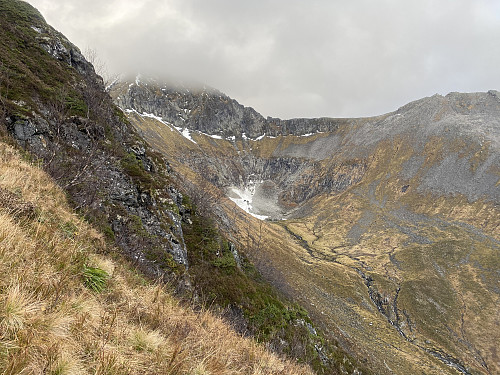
{"type": "Point", "coordinates": [289, 58]}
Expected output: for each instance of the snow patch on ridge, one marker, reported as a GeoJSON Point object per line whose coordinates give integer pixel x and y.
{"type": "Point", "coordinates": [186, 133]}
{"type": "Point", "coordinates": [310, 134]}
{"type": "Point", "coordinates": [214, 136]}
{"type": "Point", "coordinates": [150, 115]}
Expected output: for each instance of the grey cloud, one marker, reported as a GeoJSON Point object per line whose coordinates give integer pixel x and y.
{"type": "Point", "coordinates": [295, 58]}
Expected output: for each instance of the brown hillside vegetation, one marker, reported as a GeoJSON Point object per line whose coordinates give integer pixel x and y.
{"type": "Point", "coordinates": [68, 307]}
{"type": "Point", "coordinates": [385, 229]}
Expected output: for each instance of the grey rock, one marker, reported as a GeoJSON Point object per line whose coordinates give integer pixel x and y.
{"type": "Point", "coordinates": [294, 170]}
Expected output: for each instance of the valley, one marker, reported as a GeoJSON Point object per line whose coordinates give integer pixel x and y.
{"type": "Point", "coordinates": [334, 245]}
{"type": "Point", "coordinates": [385, 228]}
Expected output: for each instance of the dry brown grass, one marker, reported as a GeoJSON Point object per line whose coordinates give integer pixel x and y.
{"type": "Point", "coordinates": [50, 323]}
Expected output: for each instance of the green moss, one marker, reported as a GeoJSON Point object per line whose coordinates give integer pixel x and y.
{"type": "Point", "coordinates": [163, 259]}
{"type": "Point", "coordinates": [135, 169]}
{"type": "Point", "coordinates": [76, 106]}
{"type": "Point", "coordinates": [225, 262]}
{"type": "Point", "coordinates": [186, 201]}
{"type": "Point", "coordinates": [108, 232]}
{"type": "Point", "coordinates": [20, 10]}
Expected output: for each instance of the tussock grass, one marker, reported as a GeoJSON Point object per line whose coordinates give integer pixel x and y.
{"type": "Point", "coordinates": [51, 322]}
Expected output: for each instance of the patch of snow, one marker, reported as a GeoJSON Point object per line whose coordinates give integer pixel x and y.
{"type": "Point", "coordinates": [243, 198]}
{"type": "Point", "coordinates": [37, 29]}
{"type": "Point", "coordinates": [232, 138]}
{"type": "Point", "coordinates": [214, 136]}
{"type": "Point", "coordinates": [310, 134]}
{"type": "Point", "coordinates": [259, 138]}
{"type": "Point", "coordinates": [244, 136]}
{"type": "Point", "coordinates": [138, 79]}
{"type": "Point", "coordinates": [150, 115]}
{"type": "Point", "coordinates": [185, 133]}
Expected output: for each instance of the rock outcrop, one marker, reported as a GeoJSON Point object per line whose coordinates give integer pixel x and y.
{"type": "Point", "coordinates": [386, 216]}
{"type": "Point", "coordinates": [60, 112]}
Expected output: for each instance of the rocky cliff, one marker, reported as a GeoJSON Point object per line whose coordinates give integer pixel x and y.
{"type": "Point", "coordinates": [208, 110]}
{"type": "Point", "coordinates": [391, 238]}
{"type": "Point", "coordinates": [54, 107]}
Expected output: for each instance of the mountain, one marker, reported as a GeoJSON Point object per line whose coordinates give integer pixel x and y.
{"type": "Point", "coordinates": [68, 307]}
{"type": "Point", "coordinates": [386, 229]}
{"type": "Point", "coordinates": [56, 114]}
{"type": "Point", "coordinates": [379, 235]}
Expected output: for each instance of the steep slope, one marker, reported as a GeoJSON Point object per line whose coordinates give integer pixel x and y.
{"type": "Point", "coordinates": [68, 307]}
{"type": "Point", "coordinates": [53, 105]}
{"type": "Point", "coordinates": [391, 237]}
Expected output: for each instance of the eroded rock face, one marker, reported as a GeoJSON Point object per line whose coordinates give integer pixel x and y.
{"type": "Point", "coordinates": [295, 175]}
{"type": "Point", "coordinates": [95, 157]}
{"type": "Point", "coordinates": [209, 111]}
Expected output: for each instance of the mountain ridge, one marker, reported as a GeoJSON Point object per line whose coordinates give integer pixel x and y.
{"type": "Point", "coordinates": [59, 116]}
{"type": "Point", "coordinates": [378, 200]}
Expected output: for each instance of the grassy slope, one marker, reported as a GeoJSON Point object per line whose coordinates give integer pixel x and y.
{"type": "Point", "coordinates": [442, 283]}
{"type": "Point", "coordinates": [27, 83]}
{"type": "Point", "coordinates": [52, 323]}
{"type": "Point", "coordinates": [447, 287]}
{"type": "Point", "coordinates": [26, 74]}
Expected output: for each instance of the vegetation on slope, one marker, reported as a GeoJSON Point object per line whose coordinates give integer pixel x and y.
{"type": "Point", "coordinates": [54, 318]}
{"type": "Point", "coordinates": [53, 104]}
{"type": "Point", "coordinates": [399, 247]}
{"type": "Point", "coordinates": [224, 277]}
{"type": "Point", "coordinates": [27, 75]}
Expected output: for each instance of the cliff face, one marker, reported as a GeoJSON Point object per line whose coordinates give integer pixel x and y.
{"type": "Point", "coordinates": [208, 111]}
{"type": "Point", "coordinates": [53, 106]}
{"type": "Point", "coordinates": [391, 238]}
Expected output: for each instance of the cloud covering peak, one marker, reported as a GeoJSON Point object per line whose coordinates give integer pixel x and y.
{"type": "Point", "coordinates": [290, 58]}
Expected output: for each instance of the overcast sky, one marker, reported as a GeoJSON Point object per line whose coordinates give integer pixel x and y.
{"type": "Point", "coordinates": [290, 58]}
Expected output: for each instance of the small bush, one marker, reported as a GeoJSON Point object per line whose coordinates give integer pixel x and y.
{"type": "Point", "coordinates": [95, 278]}
{"type": "Point", "coordinates": [135, 169]}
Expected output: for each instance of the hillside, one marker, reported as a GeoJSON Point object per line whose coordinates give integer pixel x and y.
{"type": "Point", "coordinates": [379, 235]}
{"type": "Point", "coordinates": [390, 238]}
{"type": "Point", "coordinates": [68, 307]}
{"type": "Point", "coordinates": [54, 107]}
